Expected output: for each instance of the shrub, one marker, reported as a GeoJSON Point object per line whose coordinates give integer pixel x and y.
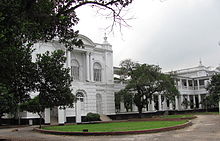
{"type": "Point", "coordinates": [92, 117]}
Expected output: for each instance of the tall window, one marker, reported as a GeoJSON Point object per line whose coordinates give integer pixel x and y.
{"type": "Point", "coordinates": [97, 70]}
{"type": "Point", "coordinates": [75, 69]}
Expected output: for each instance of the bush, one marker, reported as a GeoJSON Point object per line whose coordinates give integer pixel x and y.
{"type": "Point", "coordinates": [92, 117]}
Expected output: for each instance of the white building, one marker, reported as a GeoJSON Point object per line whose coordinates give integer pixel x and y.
{"type": "Point", "coordinates": [191, 83]}
{"type": "Point", "coordinates": [93, 85]}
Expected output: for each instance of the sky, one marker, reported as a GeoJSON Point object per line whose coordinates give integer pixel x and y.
{"type": "Point", "coordinates": [173, 34]}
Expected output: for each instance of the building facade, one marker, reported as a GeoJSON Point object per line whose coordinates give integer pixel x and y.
{"type": "Point", "coordinates": [92, 71]}
{"type": "Point", "coordinates": [190, 82]}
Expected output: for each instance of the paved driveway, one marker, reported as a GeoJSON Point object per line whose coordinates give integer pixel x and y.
{"type": "Point", "coordinates": [204, 128]}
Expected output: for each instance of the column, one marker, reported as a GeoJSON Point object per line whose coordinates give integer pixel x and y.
{"type": "Point", "coordinates": [87, 67]}
{"type": "Point", "coordinates": [198, 84]}
{"type": "Point", "coordinates": [199, 97]}
{"type": "Point", "coordinates": [181, 84]}
{"type": "Point", "coordinates": [61, 116]}
{"type": "Point", "coordinates": [69, 61]}
{"type": "Point", "coordinates": [134, 108]}
{"type": "Point", "coordinates": [194, 101]}
{"type": "Point", "coordinates": [170, 105]}
{"type": "Point", "coordinates": [47, 116]}
{"type": "Point", "coordinates": [165, 103]}
{"type": "Point", "coordinates": [78, 111]}
{"type": "Point", "coordinates": [181, 102]}
{"type": "Point", "coordinates": [153, 104]}
{"type": "Point", "coordinates": [159, 102]}
{"type": "Point", "coordinates": [188, 99]}
{"type": "Point", "coordinates": [176, 103]}
{"type": "Point", "coordinates": [187, 84]}
{"type": "Point", "coordinates": [122, 107]}
{"type": "Point", "coordinates": [91, 67]}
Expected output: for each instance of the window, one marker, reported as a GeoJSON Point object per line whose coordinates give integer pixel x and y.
{"type": "Point", "coordinates": [97, 70]}
{"type": "Point", "coordinates": [75, 69]}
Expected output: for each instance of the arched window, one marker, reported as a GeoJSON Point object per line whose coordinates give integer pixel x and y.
{"type": "Point", "coordinates": [80, 96]}
{"type": "Point", "coordinates": [75, 69]}
{"type": "Point", "coordinates": [97, 70]}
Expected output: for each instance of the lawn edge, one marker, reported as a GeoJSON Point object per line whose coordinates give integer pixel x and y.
{"type": "Point", "coordinates": [189, 123]}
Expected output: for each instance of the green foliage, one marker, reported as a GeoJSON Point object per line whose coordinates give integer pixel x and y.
{"type": "Point", "coordinates": [93, 117]}
{"type": "Point", "coordinates": [54, 80]}
{"type": "Point", "coordinates": [7, 104]}
{"type": "Point", "coordinates": [213, 98]}
{"type": "Point", "coordinates": [126, 97]}
{"type": "Point", "coordinates": [146, 80]}
{"type": "Point", "coordinates": [117, 101]}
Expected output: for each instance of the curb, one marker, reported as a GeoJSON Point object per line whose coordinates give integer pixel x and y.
{"type": "Point", "coordinates": [189, 123]}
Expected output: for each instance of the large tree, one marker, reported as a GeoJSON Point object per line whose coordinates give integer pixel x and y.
{"type": "Point", "coordinates": [25, 22]}
{"type": "Point", "coordinates": [213, 98]}
{"type": "Point", "coordinates": [146, 80]}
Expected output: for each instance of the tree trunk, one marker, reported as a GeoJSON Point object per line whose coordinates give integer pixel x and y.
{"type": "Point", "coordinates": [40, 119]}
{"type": "Point", "coordinates": [140, 112]}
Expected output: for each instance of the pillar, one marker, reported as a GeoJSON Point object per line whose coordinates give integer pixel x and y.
{"type": "Point", "coordinates": [165, 104]}
{"type": "Point", "coordinates": [181, 101]}
{"type": "Point", "coordinates": [194, 101]}
{"type": "Point", "coordinates": [187, 84]}
{"type": "Point", "coordinates": [153, 104]}
{"type": "Point", "coordinates": [199, 97]}
{"type": "Point", "coordinates": [159, 102]}
{"type": "Point", "coordinates": [188, 99]}
{"type": "Point", "coordinates": [176, 103]}
{"type": "Point", "coordinates": [170, 105]}
{"type": "Point", "coordinates": [91, 67]}
{"type": "Point", "coordinates": [47, 116]}
{"type": "Point", "coordinates": [198, 84]}
{"type": "Point", "coordinates": [122, 107]}
{"type": "Point", "coordinates": [87, 67]}
{"type": "Point", "coordinates": [61, 116]}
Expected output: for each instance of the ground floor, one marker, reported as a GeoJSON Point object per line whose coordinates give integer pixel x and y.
{"type": "Point", "coordinates": [204, 128]}
{"type": "Point", "coordinates": [161, 103]}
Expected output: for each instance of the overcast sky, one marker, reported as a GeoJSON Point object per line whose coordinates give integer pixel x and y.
{"type": "Point", "coordinates": [173, 34]}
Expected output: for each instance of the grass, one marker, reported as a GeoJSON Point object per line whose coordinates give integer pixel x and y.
{"type": "Point", "coordinates": [116, 126]}
{"type": "Point", "coordinates": [177, 116]}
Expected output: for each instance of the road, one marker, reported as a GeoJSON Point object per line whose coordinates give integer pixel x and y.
{"type": "Point", "coordinates": [204, 128]}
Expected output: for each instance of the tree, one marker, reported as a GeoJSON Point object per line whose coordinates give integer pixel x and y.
{"type": "Point", "coordinates": [213, 98]}
{"type": "Point", "coordinates": [25, 22]}
{"type": "Point", "coordinates": [54, 80]}
{"type": "Point", "coordinates": [34, 105]}
{"type": "Point", "coordinates": [146, 80]}
{"type": "Point", "coordinates": [126, 97]}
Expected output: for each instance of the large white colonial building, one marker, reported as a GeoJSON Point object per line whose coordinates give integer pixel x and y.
{"type": "Point", "coordinates": [92, 71]}
{"type": "Point", "coordinates": [93, 85]}
{"type": "Point", "coordinates": [190, 82]}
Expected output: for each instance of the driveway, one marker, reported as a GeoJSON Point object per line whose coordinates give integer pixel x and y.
{"type": "Point", "coordinates": [204, 128]}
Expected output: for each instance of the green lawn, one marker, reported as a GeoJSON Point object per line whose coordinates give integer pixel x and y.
{"type": "Point", "coordinates": [177, 116]}
{"type": "Point", "coordinates": [116, 126]}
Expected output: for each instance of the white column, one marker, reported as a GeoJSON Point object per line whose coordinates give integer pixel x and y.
{"type": "Point", "coordinates": [47, 115]}
{"type": "Point", "coordinates": [181, 102]}
{"type": "Point", "coordinates": [187, 84]}
{"type": "Point", "coordinates": [181, 84]}
{"type": "Point", "coordinates": [153, 104]}
{"type": "Point", "coordinates": [159, 102]}
{"type": "Point", "coordinates": [165, 103]}
{"type": "Point", "coordinates": [176, 103]}
{"type": "Point", "coordinates": [134, 108]}
{"type": "Point", "coordinates": [87, 67]}
{"type": "Point", "coordinates": [170, 105]}
{"type": "Point", "coordinates": [61, 116]}
{"type": "Point", "coordinates": [91, 67]}
{"type": "Point", "coordinates": [198, 84]}
{"type": "Point", "coordinates": [78, 111]}
{"type": "Point", "coordinates": [199, 97]}
{"type": "Point", "coordinates": [122, 107]}
{"type": "Point", "coordinates": [188, 99]}
{"type": "Point", "coordinates": [194, 101]}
